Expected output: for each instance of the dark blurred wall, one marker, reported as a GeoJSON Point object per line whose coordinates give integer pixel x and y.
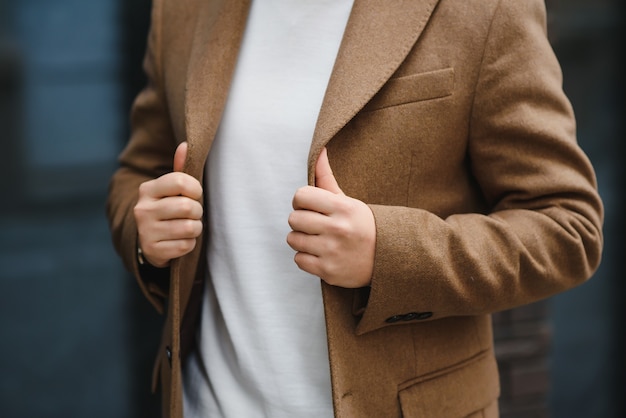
{"type": "Point", "coordinates": [10, 84]}
{"type": "Point", "coordinates": [79, 338]}
{"type": "Point", "coordinates": [587, 358]}
{"type": "Point", "coordinates": [64, 299]}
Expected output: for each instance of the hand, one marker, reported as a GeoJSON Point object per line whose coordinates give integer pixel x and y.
{"type": "Point", "coordinates": [334, 235]}
{"type": "Point", "coordinates": [168, 214]}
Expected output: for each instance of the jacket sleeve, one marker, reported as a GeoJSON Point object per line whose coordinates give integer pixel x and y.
{"type": "Point", "coordinates": [543, 231]}
{"type": "Point", "coordinates": [148, 155]}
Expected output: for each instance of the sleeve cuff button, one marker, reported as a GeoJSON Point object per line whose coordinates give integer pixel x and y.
{"type": "Point", "coordinates": [413, 316]}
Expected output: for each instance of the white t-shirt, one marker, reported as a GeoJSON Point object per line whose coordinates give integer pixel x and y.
{"type": "Point", "coordinates": [262, 348]}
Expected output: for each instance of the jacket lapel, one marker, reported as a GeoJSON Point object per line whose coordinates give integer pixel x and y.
{"type": "Point", "coordinates": [377, 39]}
{"type": "Point", "coordinates": [218, 34]}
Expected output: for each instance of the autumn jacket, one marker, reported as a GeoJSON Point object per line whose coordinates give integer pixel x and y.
{"type": "Point", "coordinates": [447, 117]}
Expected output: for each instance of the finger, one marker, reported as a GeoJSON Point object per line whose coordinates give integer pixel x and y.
{"type": "Point", "coordinates": [324, 177]}
{"type": "Point", "coordinates": [315, 199]}
{"type": "Point", "coordinates": [307, 221]}
{"type": "Point", "coordinates": [308, 263]}
{"type": "Point", "coordinates": [172, 184]}
{"type": "Point", "coordinates": [175, 229]}
{"type": "Point", "coordinates": [160, 253]}
{"type": "Point", "coordinates": [177, 207]}
{"type": "Point", "coordinates": [161, 240]}
{"type": "Point", "coordinates": [180, 156]}
{"type": "Point", "coordinates": [301, 242]}
{"type": "Point", "coordinates": [149, 212]}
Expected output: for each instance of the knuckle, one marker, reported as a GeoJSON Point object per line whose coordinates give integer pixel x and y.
{"type": "Point", "coordinates": [342, 228]}
{"type": "Point", "coordinates": [344, 204]}
{"type": "Point", "coordinates": [333, 251]}
{"type": "Point", "coordinates": [185, 207]}
{"type": "Point", "coordinates": [293, 240]}
{"type": "Point", "coordinates": [144, 188]}
{"type": "Point", "coordinates": [191, 228]}
{"type": "Point", "coordinates": [178, 179]}
{"type": "Point", "coordinates": [198, 227]}
{"type": "Point", "coordinates": [300, 193]}
{"type": "Point", "coordinates": [150, 248]}
{"type": "Point", "coordinates": [302, 262]}
{"type": "Point", "coordinates": [327, 277]}
{"type": "Point", "coordinates": [185, 246]}
{"type": "Point", "coordinates": [292, 219]}
{"type": "Point", "coordinates": [140, 210]}
{"type": "Point", "coordinates": [195, 210]}
{"type": "Point", "coordinates": [184, 228]}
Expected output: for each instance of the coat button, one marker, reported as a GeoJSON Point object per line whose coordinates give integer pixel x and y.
{"type": "Point", "coordinates": [394, 319]}
{"type": "Point", "coordinates": [412, 316]}
{"type": "Point", "coordinates": [423, 315]}
{"type": "Point", "coordinates": [168, 352]}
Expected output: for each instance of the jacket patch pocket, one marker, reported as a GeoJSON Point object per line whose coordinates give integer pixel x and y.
{"type": "Point", "coordinates": [456, 392]}
{"type": "Point", "coordinates": [413, 88]}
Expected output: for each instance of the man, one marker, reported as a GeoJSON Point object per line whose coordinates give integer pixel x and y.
{"type": "Point", "coordinates": [444, 184]}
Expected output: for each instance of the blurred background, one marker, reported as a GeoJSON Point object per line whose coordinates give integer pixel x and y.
{"type": "Point", "coordinates": [76, 337]}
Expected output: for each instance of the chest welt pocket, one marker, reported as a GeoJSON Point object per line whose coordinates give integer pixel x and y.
{"type": "Point", "coordinates": [457, 392]}
{"type": "Point", "coordinates": [413, 88]}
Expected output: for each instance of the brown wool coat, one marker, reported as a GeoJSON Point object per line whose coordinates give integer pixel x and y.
{"type": "Point", "coordinates": [448, 118]}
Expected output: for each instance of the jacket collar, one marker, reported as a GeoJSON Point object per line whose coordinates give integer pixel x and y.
{"type": "Point", "coordinates": [378, 37]}
{"type": "Point", "coordinates": [218, 33]}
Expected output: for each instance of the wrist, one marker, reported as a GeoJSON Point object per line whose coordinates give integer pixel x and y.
{"type": "Point", "coordinates": [144, 262]}
{"type": "Point", "coordinates": [152, 274]}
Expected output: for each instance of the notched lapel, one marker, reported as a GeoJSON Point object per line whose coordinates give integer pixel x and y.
{"type": "Point", "coordinates": [218, 33]}
{"type": "Point", "coordinates": [377, 39]}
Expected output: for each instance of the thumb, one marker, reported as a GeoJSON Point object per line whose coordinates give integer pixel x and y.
{"type": "Point", "coordinates": [179, 156]}
{"type": "Point", "coordinates": [324, 177]}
